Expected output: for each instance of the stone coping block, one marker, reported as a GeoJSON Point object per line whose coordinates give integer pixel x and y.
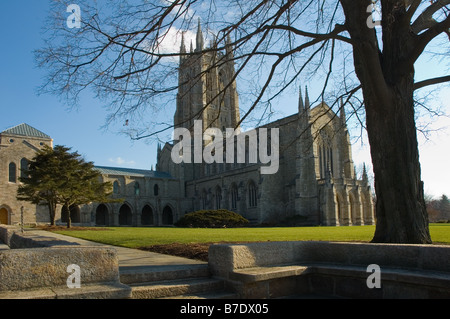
{"type": "Point", "coordinates": [36, 267]}
{"type": "Point", "coordinates": [30, 239]}
{"type": "Point", "coordinates": [25, 269]}
{"type": "Point", "coordinates": [256, 274]}
{"type": "Point", "coordinates": [6, 231]}
{"type": "Point", "coordinates": [15, 239]}
{"type": "Point", "coordinates": [90, 291]}
{"type": "Point", "coordinates": [226, 258]}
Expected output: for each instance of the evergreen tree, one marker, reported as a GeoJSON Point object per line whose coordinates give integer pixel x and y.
{"type": "Point", "coordinates": [57, 176]}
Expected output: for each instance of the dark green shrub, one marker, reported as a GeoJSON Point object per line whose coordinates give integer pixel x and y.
{"type": "Point", "coordinates": [220, 218]}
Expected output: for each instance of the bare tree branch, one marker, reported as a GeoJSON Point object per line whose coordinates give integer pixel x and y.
{"type": "Point", "coordinates": [433, 81]}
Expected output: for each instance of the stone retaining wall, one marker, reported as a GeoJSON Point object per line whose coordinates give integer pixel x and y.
{"type": "Point", "coordinates": [274, 269]}
{"type": "Point", "coordinates": [37, 267]}
{"type": "Point", "coordinates": [47, 267]}
{"type": "Point", "coordinates": [6, 232]}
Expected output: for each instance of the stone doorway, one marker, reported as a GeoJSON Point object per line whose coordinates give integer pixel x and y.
{"type": "Point", "coordinates": [4, 216]}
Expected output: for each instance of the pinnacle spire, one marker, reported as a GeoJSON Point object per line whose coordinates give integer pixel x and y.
{"type": "Point", "coordinates": [228, 47]}
{"type": "Point", "coordinates": [365, 178]}
{"type": "Point", "coordinates": [307, 105]}
{"type": "Point", "coordinates": [183, 46]}
{"type": "Point", "coordinates": [228, 40]}
{"type": "Point", "coordinates": [301, 105]}
{"type": "Point", "coordinates": [200, 40]}
{"type": "Point", "coordinates": [342, 112]}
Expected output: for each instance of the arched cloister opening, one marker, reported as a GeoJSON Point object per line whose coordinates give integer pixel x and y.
{"type": "Point", "coordinates": [147, 216]}
{"type": "Point", "coordinates": [75, 214]}
{"type": "Point", "coordinates": [167, 216]}
{"type": "Point", "coordinates": [102, 215]}
{"type": "Point", "coordinates": [125, 215]}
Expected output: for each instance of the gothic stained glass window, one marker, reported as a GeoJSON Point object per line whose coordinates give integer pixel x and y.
{"type": "Point", "coordinates": [12, 173]}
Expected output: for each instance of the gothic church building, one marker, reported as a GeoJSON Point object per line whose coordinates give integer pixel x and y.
{"type": "Point", "coordinates": [315, 183]}
{"type": "Point", "coordinates": [316, 179]}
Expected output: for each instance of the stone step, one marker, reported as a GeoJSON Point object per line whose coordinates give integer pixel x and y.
{"type": "Point", "coordinates": [136, 275]}
{"type": "Point", "coordinates": [170, 288]}
{"type": "Point", "coordinates": [219, 294]}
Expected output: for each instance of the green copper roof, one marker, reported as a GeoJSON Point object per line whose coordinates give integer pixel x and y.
{"type": "Point", "coordinates": [131, 172]}
{"type": "Point", "coordinates": [25, 130]}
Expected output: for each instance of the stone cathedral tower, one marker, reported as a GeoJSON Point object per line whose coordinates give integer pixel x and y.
{"type": "Point", "coordinates": [316, 182]}
{"type": "Point", "coordinates": [207, 87]}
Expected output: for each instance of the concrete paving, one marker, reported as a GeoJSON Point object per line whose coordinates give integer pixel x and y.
{"type": "Point", "coordinates": [133, 259]}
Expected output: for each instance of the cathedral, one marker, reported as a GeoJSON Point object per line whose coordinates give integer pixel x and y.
{"type": "Point", "coordinates": [316, 180]}
{"type": "Point", "coordinates": [314, 183]}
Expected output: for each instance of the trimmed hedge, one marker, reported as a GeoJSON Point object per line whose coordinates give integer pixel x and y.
{"type": "Point", "coordinates": [220, 218]}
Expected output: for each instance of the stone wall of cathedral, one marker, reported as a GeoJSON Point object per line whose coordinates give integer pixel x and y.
{"type": "Point", "coordinates": [15, 152]}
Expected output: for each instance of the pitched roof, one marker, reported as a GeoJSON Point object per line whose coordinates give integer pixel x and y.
{"type": "Point", "coordinates": [26, 130]}
{"type": "Point", "coordinates": [131, 172]}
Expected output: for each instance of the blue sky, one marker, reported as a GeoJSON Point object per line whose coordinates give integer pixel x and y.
{"type": "Point", "coordinates": [20, 24]}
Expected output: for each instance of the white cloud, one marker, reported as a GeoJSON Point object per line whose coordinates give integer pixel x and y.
{"type": "Point", "coordinates": [172, 41]}
{"type": "Point", "coordinates": [120, 161]}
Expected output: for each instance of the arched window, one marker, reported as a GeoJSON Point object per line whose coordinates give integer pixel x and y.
{"type": "Point", "coordinates": [156, 190]}
{"type": "Point", "coordinates": [116, 187]}
{"type": "Point", "coordinates": [218, 197]}
{"type": "Point", "coordinates": [339, 209]}
{"type": "Point", "coordinates": [23, 167]}
{"type": "Point", "coordinates": [325, 160]}
{"type": "Point", "coordinates": [12, 173]}
{"type": "Point", "coordinates": [137, 189]}
{"type": "Point", "coordinates": [252, 200]}
{"type": "Point", "coordinates": [204, 199]}
{"type": "Point", "coordinates": [234, 196]}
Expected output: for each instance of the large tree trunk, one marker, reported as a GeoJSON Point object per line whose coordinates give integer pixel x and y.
{"type": "Point", "coordinates": [400, 206]}
{"type": "Point", "coordinates": [66, 207]}
{"type": "Point", "coordinates": [387, 80]}
{"type": "Point", "coordinates": [52, 213]}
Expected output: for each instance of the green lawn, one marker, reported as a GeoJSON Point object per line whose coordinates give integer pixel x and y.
{"type": "Point", "coordinates": [138, 237]}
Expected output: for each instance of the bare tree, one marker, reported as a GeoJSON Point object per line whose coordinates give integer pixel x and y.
{"type": "Point", "coordinates": [123, 52]}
